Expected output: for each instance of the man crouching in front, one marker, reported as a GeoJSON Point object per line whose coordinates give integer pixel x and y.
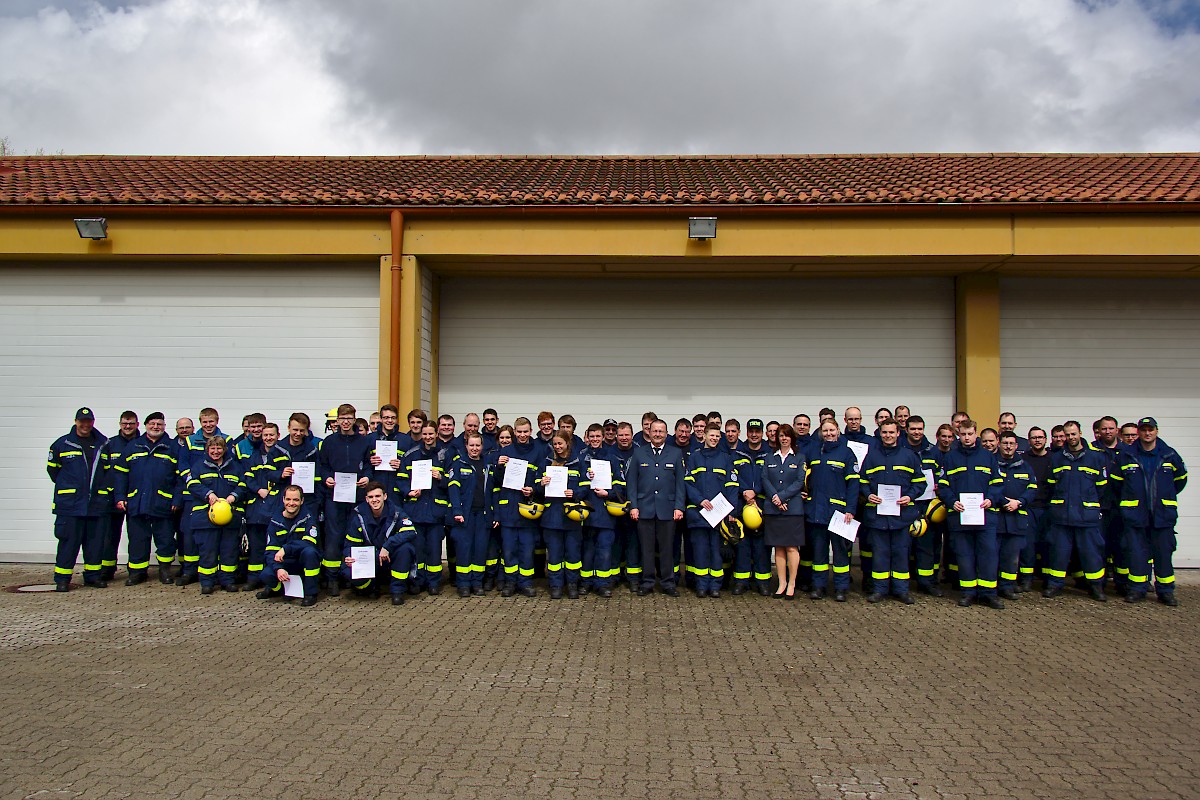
{"type": "Point", "coordinates": [291, 552]}
{"type": "Point", "coordinates": [380, 525]}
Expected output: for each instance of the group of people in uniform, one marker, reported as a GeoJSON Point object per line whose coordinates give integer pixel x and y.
{"type": "Point", "coordinates": [779, 512]}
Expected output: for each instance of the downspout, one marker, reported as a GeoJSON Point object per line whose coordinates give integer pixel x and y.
{"type": "Point", "coordinates": [394, 334]}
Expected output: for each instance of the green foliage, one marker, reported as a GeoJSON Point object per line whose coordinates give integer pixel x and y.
{"type": "Point", "coordinates": [7, 149]}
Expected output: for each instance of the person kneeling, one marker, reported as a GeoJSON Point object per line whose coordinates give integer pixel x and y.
{"type": "Point", "coordinates": [383, 527]}
{"type": "Point", "coordinates": [291, 549]}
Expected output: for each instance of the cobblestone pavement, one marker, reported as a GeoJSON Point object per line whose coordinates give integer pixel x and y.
{"type": "Point", "coordinates": [158, 692]}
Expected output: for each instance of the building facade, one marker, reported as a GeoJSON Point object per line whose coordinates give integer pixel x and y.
{"type": "Point", "coordinates": [1053, 286]}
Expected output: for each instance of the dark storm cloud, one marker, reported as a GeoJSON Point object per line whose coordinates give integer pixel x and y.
{"type": "Point", "coordinates": [759, 76]}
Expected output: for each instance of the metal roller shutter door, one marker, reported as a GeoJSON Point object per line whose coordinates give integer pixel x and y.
{"type": "Point", "coordinates": [601, 348]}
{"type": "Point", "coordinates": [1084, 348]}
{"type": "Point", "coordinates": [170, 338]}
{"type": "Point", "coordinates": [426, 355]}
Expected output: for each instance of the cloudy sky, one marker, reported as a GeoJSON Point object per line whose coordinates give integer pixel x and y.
{"type": "Point", "coordinates": [328, 77]}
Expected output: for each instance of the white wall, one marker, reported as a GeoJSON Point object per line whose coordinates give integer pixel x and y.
{"type": "Point", "coordinates": [170, 338]}
{"type": "Point", "coordinates": [600, 348]}
{"type": "Point", "coordinates": [1085, 348]}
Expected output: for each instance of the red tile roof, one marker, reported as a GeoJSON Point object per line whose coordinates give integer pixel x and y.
{"type": "Point", "coordinates": [1079, 180]}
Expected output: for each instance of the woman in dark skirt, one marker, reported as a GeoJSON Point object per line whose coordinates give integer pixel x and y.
{"type": "Point", "coordinates": [783, 515]}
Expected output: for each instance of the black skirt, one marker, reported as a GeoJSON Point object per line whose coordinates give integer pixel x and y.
{"type": "Point", "coordinates": [783, 531]}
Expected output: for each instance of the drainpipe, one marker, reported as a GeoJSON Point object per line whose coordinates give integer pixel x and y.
{"type": "Point", "coordinates": [394, 334]}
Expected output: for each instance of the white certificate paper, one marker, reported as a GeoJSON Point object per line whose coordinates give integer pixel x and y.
{"type": "Point", "coordinates": [345, 489]}
{"type": "Point", "coordinates": [514, 473]}
{"type": "Point", "coordinates": [860, 452]}
{"type": "Point", "coordinates": [557, 487]}
{"type": "Point", "coordinates": [386, 451]}
{"type": "Point", "coordinates": [304, 475]}
{"type": "Point", "coordinates": [930, 486]}
{"type": "Point", "coordinates": [420, 474]}
{"type": "Point", "coordinates": [846, 530]}
{"type": "Point", "coordinates": [972, 513]}
{"type": "Point", "coordinates": [889, 500]}
{"type": "Point", "coordinates": [601, 475]}
{"type": "Point", "coordinates": [293, 586]}
{"type": "Point", "coordinates": [363, 567]}
{"type": "Point", "coordinates": [720, 510]}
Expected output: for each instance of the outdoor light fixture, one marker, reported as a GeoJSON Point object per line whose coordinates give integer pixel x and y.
{"type": "Point", "coordinates": [702, 227]}
{"type": "Point", "coordinates": [92, 228]}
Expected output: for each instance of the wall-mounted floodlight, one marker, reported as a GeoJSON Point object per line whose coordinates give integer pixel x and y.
{"type": "Point", "coordinates": [702, 227]}
{"type": "Point", "coordinates": [92, 228]}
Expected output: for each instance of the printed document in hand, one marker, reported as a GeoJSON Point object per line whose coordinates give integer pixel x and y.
{"type": "Point", "coordinates": [345, 489]}
{"type": "Point", "coordinates": [860, 452]}
{"type": "Point", "coordinates": [421, 475]}
{"type": "Point", "coordinates": [602, 475]}
{"type": "Point", "coordinates": [293, 586]}
{"type": "Point", "coordinates": [363, 567]}
{"type": "Point", "coordinates": [846, 530]}
{"type": "Point", "coordinates": [930, 486]}
{"type": "Point", "coordinates": [304, 475]}
{"type": "Point", "coordinates": [386, 451]}
{"type": "Point", "coordinates": [889, 496]}
{"type": "Point", "coordinates": [972, 513]}
{"type": "Point", "coordinates": [557, 487]}
{"type": "Point", "coordinates": [514, 473]}
{"type": "Point", "coordinates": [720, 510]}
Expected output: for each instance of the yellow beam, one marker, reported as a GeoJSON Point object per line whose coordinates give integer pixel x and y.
{"type": "Point", "coordinates": [662, 236]}
{"type": "Point", "coordinates": [313, 236]}
{"type": "Point", "coordinates": [160, 237]}
{"type": "Point", "coordinates": [977, 346]}
{"type": "Point", "coordinates": [410, 335]}
{"type": "Point", "coordinates": [797, 238]}
{"type": "Point", "coordinates": [1107, 234]}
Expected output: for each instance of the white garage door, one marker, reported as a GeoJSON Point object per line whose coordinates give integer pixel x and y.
{"type": "Point", "coordinates": [1083, 349]}
{"type": "Point", "coordinates": [600, 348]}
{"type": "Point", "coordinates": [170, 338]}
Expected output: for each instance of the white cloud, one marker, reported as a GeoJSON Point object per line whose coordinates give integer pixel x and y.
{"type": "Point", "coordinates": [525, 76]}
{"type": "Point", "coordinates": [176, 76]}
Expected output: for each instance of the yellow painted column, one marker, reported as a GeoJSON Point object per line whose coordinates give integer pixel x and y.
{"type": "Point", "coordinates": [977, 346]}
{"type": "Point", "coordinates": [385, 329]}
{"type": "Point", "coordinates": [410, 334]}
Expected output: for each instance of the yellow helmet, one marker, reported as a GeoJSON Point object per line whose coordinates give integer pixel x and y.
{"type": "Point", "coordinates": [530, 510]}
{"type": "Point", "coordinates": [331, 415]}
{"type": "Point", "coordinates": [919, 528]}
{"type": "Point", "coordinates": [577, 512]}
{"type": "Point", "coordinates": [219, 513]}
{"type": "Point", "coordinates": [617, 509]}
{"type": "Point", "coordinates": [752, 516]}
{"type": "Point", "coordinates": [731, 530]}
{"type": "Point", "coordinates": [936, 512]}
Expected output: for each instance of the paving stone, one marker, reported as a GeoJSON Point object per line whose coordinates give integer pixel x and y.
{"type": "Point", "coordinates": [155, 691]}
